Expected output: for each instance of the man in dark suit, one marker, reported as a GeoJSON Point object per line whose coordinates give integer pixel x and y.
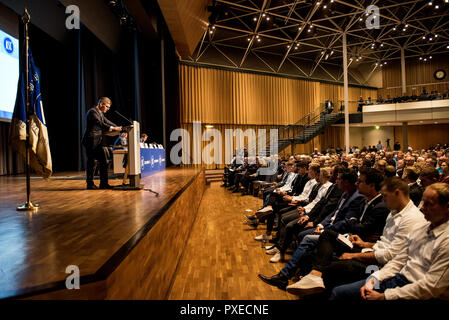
{"type": "Point", "coordinates": [348, 206]}
{"type": "Point", "coordinates": [411, 175]}
{"type": "Point", "coordinates": [97, 124]}
{"type": "Point", "coordinates": [368, 225]}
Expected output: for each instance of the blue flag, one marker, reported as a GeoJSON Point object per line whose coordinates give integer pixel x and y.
{"type": "Point", "coordinates": [40, 156]}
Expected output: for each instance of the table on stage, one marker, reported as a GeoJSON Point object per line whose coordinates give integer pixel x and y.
{"type": "Point", "coordinates": [152, 160]}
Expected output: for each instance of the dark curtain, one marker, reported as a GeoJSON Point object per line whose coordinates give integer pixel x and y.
{"type": "Point", "coordinates": [74, 74]}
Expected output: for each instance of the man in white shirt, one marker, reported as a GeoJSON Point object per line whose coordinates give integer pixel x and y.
{"type": "Point", "coordinates": [420, 270]}
{"type": "Point", "coordinates": [314, 170]}
{"type": "Point", "coordinates": [403, 216]}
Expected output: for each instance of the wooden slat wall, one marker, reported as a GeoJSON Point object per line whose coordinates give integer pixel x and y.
{"type": "Point", "coordinates": [424, 136]}
{"type": "Point", "coordinates": [418, 74]}
{"type": "Point", "coordinates": [226, 97]}
{"type": "Point", "coordinates": [236, 100]}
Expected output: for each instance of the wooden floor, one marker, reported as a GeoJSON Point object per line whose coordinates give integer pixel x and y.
{"type": "Point", "coordinates": [73, 226]}
{"type": "Point", "coordinates": [221, 260]}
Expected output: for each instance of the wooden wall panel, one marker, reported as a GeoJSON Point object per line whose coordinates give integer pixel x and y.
{"type": "Point", "coordinates": [187, 21]}
{"type": "Point", "coordinates": [226, 97]}
{"type": "Point", "coordinates": [147, 272]}
{"type": "Point", "coordinates": [424, 136]}
{"type": "Point", "coordinates": [418, 75]}
{"type": "Point", "coordinates": [237, 100]}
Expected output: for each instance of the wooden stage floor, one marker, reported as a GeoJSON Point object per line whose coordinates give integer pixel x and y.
{"type": "Point", "coordinates": [91, 229]}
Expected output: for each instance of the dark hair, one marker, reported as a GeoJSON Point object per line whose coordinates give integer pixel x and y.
{"type": "Point", "coordinates": [345, 164]}
{"type": "Point", "coordinates": [302, 164]}
{"type": "Point", "coordinates": [412, 173]}
{"type": "Point", "coordinates": [315, 167]}
{"type": "Point", "coordinates": [395, 183]}
{"type": "Point", "coordinates": [349, 175]}
{"type": "Point", "coordinates": [373, 176]}
{"type": "Point", "coordinates": [366, 163]}
{"type": "Point", "coordinates": [430, 173]}
{"type": "Point", "coordinates": [390, 171]}
{"type": "Point", "coordinates": [339, 169]}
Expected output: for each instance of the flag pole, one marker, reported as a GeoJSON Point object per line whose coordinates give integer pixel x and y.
{"type": "Point", "coordinates": [28, 206]}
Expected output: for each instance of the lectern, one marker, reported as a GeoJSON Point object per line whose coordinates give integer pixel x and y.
{"type": "Point", "coordinates": [134, 156]}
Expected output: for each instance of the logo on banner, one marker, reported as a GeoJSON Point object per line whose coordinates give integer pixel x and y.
{"type": "Point", "coordinates": [9, 46]}
{"type": "Point", "coordinates": [142, 163]}
{"type": "Point", "coordinates": [152, 161]}
{"type": "Point", "coordinates": [160, 161]}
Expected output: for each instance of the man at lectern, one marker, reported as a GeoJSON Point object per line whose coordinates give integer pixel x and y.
{"type": "Point", "coordinates": [97, 125]}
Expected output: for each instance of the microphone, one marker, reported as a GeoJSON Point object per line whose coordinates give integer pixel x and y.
{"type": "Point", "coordinates": [123, 117]}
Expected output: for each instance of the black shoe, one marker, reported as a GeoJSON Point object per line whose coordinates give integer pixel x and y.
{"type": "Point", "coordinates": [106, 187]}
{"type": "Point", "coordinates": [274, 240]}
{"type": "Point", "coordinates": [91, 187]}
{"type": "Point", "coordinates": [250, 217]}
{"type": "Point", "coordinates": [253, 224]}
{"type": "Point", "coordinates": [278, 280]}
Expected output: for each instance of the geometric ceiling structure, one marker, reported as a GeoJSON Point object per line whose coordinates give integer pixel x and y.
{"type": "Point", "coordinates": [304, 38]}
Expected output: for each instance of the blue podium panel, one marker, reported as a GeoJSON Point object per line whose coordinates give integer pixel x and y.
{"type": "Point", "coordinates": [152, 161]}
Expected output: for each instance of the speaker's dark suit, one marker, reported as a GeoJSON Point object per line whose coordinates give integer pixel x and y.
{"type": "Point", "coordinates": [93, 142]}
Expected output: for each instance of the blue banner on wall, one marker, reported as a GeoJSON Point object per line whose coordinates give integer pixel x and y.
{"type": "Point", "coordinates": [152, 161]}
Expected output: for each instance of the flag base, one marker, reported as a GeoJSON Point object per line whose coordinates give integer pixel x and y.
{"type": "Point", "coordinates": [29, 206]}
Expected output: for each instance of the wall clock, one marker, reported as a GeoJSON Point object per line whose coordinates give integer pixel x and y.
{"type": "Point", "coordinates": [440, 74]}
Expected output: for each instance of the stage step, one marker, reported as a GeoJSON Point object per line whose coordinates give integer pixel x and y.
{"type": "Point", "coordinates": [214, 176]}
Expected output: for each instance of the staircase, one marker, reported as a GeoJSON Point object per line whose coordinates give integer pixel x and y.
{"type": "Point", "coordinates": [311, 126]}
{"type": "Point", "coordinates": [214, 176]}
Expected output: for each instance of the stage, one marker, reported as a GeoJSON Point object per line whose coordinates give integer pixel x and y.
{"type": "Point", "coordinates": [127, 244]}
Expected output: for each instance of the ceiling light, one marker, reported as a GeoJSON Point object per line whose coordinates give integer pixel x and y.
{"type": "Point", "coordinates": [258, 40]}
{"type": "Point", "coordinates": [299, 28]}
{"type": "Point", "coordinates": [437, 7]}
{"type": "Point", "coordinates": [394, 28]}
{"type": "Point", "coordinates": [430, 3]}
{"type": "Point", "coordinates": [254, 19]}
{"type": "Point", "coordinates": [263, 15]}
{"type": "Point", "coordinates": [257, 37]}
{"type": "Point", "coordinates": [268, 18]}
{"type": "Point", "coordinates": [424, 37]}
{"type": "Point", "coordinates": [430, 57]}
{"type": "Point", "coordinates": [420, 58]}
{"type": "Point", "coordinates": [325, 7]}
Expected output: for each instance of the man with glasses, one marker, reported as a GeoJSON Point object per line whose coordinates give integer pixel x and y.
{"type": "Point", "coordinates": [97, 124]}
